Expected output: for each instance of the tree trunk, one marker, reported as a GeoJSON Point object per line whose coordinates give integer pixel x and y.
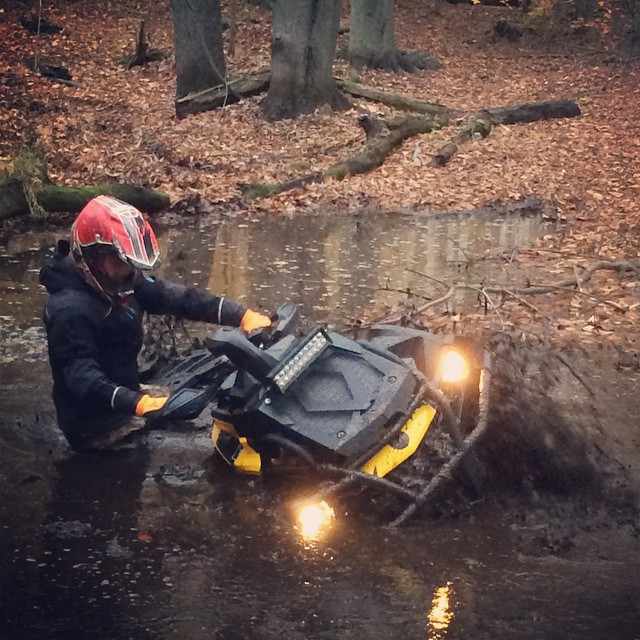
{"type": "Point", "coordinates": [635, 29]}
{"type": "Point", "coordinates": [197, 27]}
{"type": "Point", "coordinates": [371, 33]}
{"type": "Point", "coordinates": [303, 47]}
{"type": "Point", "coordinates": [372, 41]}
{"type": "Point", "coordinates": [57, 198]}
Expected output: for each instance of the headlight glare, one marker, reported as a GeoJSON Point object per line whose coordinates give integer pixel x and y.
{"type": "Point", "coordinates": [453, 367]}
{"type": "Point", "coordinates": [314, 518]}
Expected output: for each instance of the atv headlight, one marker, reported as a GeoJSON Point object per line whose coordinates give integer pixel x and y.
{"type": "Point", "coordinates": [453, 366]}
{"type": "Point", "coordinates": [314, 518]}
{"type": "Point", "coordinates": [289, 371]}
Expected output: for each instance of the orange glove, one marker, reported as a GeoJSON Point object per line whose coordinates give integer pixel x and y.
{"type": "Point", "coordinates": [252, 320]}
{"type": "Point", "coordinates": [147, 405]}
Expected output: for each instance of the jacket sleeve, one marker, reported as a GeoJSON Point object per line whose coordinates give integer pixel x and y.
{"type": "Point", "coordinates": [72, 345]}
{"type": "Point", "coordinates": [161, 297]}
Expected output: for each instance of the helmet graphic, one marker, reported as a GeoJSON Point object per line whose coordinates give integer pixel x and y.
{"type": "Point", "coordinates": [108, 223]}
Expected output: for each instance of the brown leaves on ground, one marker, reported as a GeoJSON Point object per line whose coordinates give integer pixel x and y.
{"type": "Point", "coordinates": [119, 125]}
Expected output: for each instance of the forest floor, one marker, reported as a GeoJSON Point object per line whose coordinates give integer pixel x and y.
{"type": "Point", "coordinates": [120, 125]}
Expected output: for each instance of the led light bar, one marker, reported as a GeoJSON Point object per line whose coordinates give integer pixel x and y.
{"type": "Point", "coordinates": [289, 371]}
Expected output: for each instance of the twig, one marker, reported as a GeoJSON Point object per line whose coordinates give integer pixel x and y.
{"type": "Point", "coordinates": [527, 304]}
{"type": "Point", "coordinates": [576, 375]}
{"type": "Point", "coordinates": [446, 472]}
{"type": "Point", "coordinates": [407, 292]}
{"type": "Point", "coordinates": [586, 294]}
{"type": "Point", "coordinates": [442, 283]}
{"type": "Point", "coordinates": [567, 284]}
{"type": "Point", "coordinates": [578, 281]}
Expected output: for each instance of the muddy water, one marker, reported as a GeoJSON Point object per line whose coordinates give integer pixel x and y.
{"type": "Point", "coordinates": [155, 542]}
{"type": "Point", "coordinates": [333, 267]}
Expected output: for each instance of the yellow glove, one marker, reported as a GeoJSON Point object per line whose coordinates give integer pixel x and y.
{"type": "Point", "coordinates": [148, 405]}
{"type": "Point", "coordinates": [252, 320]}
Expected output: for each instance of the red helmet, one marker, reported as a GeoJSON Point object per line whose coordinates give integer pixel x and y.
{"type": "Point", "coordinates": [110, 223]}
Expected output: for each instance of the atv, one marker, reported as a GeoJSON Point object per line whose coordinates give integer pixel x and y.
{"type": "Point", "coordinates": [345, 412]}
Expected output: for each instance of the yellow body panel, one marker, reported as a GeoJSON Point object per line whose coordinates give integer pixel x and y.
{"type": "Point", "coordinates": [247, 459]}
{"type": "Point", "coordinates": [389, 457]}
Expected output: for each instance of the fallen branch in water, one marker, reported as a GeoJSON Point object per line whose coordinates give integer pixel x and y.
{"type": "Point", "coordinates": [574, 285]}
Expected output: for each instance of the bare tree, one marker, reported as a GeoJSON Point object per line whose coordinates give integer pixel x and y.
{"type": "Point", "coordinates": [303, 48]}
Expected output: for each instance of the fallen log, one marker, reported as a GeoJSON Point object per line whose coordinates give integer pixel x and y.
{"type": "Point", "coordinates": [237, 88]}
{"type": "Point", "coordinates": [383, 136]}
{"type": "Point", "coordinates": [389, 136]}
{"type": "Point", "coordinates": [396, 100]}
{"type": "Point", "coordinates": [480, 124]}
{"type": "Point", "coordinates": [57, 198]}
{"type": "Point", "coordinates": [258, 82]}
{"type": "Point", "coordinates": [534, 111]}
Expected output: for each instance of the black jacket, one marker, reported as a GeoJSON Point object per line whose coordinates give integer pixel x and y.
{"type": "Point", "coordinates": [94, 345]}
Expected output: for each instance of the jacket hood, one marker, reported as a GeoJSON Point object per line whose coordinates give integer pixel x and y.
{"type": "Point", "coordinates": [60, 273]}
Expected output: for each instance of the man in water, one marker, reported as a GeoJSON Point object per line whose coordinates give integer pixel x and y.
{"type": "Point", "coordinates": [97, 294]}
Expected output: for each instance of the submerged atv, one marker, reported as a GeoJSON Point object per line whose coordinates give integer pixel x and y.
{"type": "Point", "coordinates": [344, 411]}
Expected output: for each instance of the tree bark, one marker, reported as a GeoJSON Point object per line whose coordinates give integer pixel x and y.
{"type": "Point", "coordinates": [303, 46]}
{"type": "Point", "coordinates": [372, 41]}
{"type": "Point", "coordinates": [57, 198]}
{"type": "Point", "coordinates": [197, 27]}
{"type": "Point", "coordinates": [635, 29]}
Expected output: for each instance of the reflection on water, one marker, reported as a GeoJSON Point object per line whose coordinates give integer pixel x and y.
{"type": "Point", "coordinates": [332, 267]}
{"type": "Point", "coordinates": [314, 520]}
{"type": "Point", "coordinates": [441, 613]}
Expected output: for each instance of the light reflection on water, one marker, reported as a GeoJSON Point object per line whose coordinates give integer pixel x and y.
{"type": "Point", "coordinates": [441, 612]}
{"type": "Point", "coordinates": [333, 267]}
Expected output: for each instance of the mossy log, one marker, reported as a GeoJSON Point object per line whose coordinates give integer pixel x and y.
{"type": "Point", "coordinates": [258, 82]}
{"type": "Point", "coordinates": [215, 97]}
{"type": "Point", "coordinates": [59, 198]}
{"type": "Point", "coordinates": [383, 136]}
{"type": "Point", "coordinates": [396, 100]}
{"type": "Point", "coordinates": [477, 125]}
{"type": "Point", "coordinates": [480, 124]}
{"type": "Point", "coordinates": [386, 136]}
